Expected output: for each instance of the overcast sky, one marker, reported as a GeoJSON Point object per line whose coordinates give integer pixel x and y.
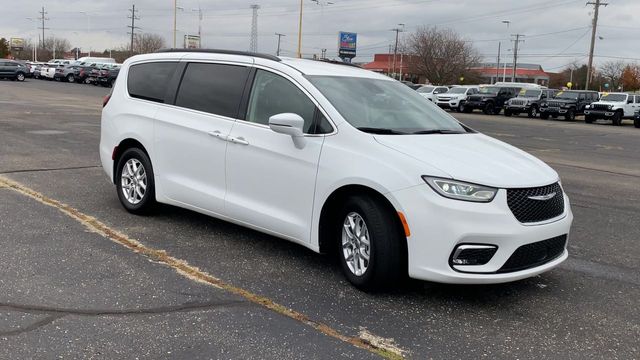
{"type": "Point", "coordinates": [557, 32]}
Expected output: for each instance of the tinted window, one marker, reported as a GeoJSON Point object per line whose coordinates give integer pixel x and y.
{"type": "Point", "coordinates": [323, 126]}
{"type": "Point", "coordinates": [149, 81]}
{"type": "Point", "coordinates": [213, 88]}
{"type": "Point", "coordinates": [272, 94]}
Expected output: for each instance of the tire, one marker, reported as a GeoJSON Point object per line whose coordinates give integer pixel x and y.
{"type": "Point", "coordinates": [71, 78]}
{"type": "Point", "coordinates": [636, 122]}
{"type": "Point", "coordinates": [488, 109]}
{"type": "Point", "coordinates": [387, 253]}
{"type": "Point", "coordinates": [533, 112]}
{"type": "Point", "coordinates": [616, 120]}
{"type": "Point", "coordinates": [111, 82]}
{"type": "Point", "coordinates": [461, 108]}
{"type": "Point", "coordinates": [589, 119]}
{"type": "Point", "coordinates": [507, 113]}
{"type": "Point", "coordinates": [20, 76]}
{"type": "Point", "coordinates": [570, 115]}
{"type": "Point", "coordinates": [130, 160]}
{"type": "Point", "coordinates": [544, 116]}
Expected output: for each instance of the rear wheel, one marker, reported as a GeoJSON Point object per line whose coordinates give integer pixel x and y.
{"type": "Point", "coordinates": [71, 78]}
{"type": "Point", "coordinates": [372, 248]}
{"type": "Point", "coordinates": [135, 182]}
{"type": "Point", "coordinates": [617, 118]}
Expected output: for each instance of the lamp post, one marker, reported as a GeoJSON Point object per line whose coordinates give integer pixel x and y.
{"type": "Point", "coordinates": [504, 73]}
{"type": "Point", "coordinates": [401, 56]}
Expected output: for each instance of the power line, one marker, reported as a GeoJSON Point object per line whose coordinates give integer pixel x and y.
{"type": "Point", "coordinates": [596, 6]}
{"type": "Point", "coordinates": [133, 26]}
{"type": "Point", "coordinates": [43, 18]}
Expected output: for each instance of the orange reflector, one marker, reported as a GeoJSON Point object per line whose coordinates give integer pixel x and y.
{"type": "Point", "coordinates": [405, 225]}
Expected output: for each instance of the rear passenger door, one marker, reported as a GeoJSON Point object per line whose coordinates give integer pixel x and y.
{"type": "Point", "coordinates": [191, 133]}
{"type": "Point", "coordinates": [270, 181]}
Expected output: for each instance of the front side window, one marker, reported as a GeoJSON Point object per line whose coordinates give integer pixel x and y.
{"type": "Point", "coordinates": [212, 88]}
{"type": "Point", "coordinates": [149, 81]}
{"type": "Point", "coordinates": [614, 97]}
{"type": "Point", "coordinates": [384, 106]}
{"type": "Point", "coordinates": [489, 90]}
{"type": "Point", "coordinates": [273, 94]}
{"type": "Point", "coordinates": [426, 89]}
{"type": "Point", "coordinates": [567, 95]}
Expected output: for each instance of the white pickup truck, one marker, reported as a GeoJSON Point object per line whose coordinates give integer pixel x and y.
{"type": "Point", "coordinates": [614, 107]}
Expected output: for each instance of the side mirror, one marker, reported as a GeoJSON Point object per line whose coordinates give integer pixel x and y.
{"type": "Point", "coordinates": [289, 124]}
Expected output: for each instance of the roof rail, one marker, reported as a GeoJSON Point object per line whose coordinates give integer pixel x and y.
{"type": "Point", "coordinates": [338, 62]}
{"type": "Point", "coordinates": [221, 51]}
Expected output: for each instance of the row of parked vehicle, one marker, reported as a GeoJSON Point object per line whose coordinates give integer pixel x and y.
{"type": "Point", "coordinates": [96, 71]}
{"type": "Point", "coordinates": [535, 100]}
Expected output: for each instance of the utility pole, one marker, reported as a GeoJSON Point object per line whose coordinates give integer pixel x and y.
{"type": "Point", "coordinates": [133, 26]}
{"type": "Point", "coordinates": [516, 41]}
{"type": "Point", "coordinates": [498, 63]}
{"type": "Point", "coordinates": [395, 50]}
{"type": "Point", "coordinates": [253, 45]}
{"type": "Point", "coordinates": [43, 18]}
{"type": "Point", "coordinates": [279, 37]}
{"type": "Point", "coordinates": [300, 31]}
{"type": "Point", "coordinates": [594, 27]}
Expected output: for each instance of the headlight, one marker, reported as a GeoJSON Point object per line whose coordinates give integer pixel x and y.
{"type": "Point", "coordinates": [458, 190]}
{"type": "Point", "coordinates": [587, 107]}
{"type": "Point", "coordinates": [610, 107]}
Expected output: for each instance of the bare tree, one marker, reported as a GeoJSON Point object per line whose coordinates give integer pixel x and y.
{"type": "Point", "coordinates": [441, 55]}
{"type": "Point", "coordinates": [612, 72]}
{"type": "Point", "coordinates": [147, 43]}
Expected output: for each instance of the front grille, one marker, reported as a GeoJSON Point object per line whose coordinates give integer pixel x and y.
{"type": "Point", "coordinates": [517, 102]}
{"type": "Point", "coordinates": [528, 210]}
{"type": "Point", "coordinates": [535, 254]}
{"type": "Point", "coordinates": [555, 104]}
{"type": "Point", "coordinates": [443, 98]}
{"type": "Point", "coordinates": [600, 107]}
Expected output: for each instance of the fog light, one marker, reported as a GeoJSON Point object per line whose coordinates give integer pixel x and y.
{"type": "Point", "coordinates": [473, 254]}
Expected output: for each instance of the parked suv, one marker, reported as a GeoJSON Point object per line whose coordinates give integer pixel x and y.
{"type": "Point", "coordinates": [527, 101]}
{"type": "Point", "coordinates": [567, 103]}
{"type": "Point", "coordinates": [66, 73]}
{"type": "Point", "coordinates": [491, 99]}
{"type": "Point", "coordinates": [614, 107]}
{"type": "Point", "coordinates": [430, 92]}
{"type": "Point", "coordinates": [108, 75]}
{"type": "Point", "coordinates": [456, 97]}
{"type": "Point", "coordinates": [10, 69]}
{"type": "Point", "coordinates": [335, 158]}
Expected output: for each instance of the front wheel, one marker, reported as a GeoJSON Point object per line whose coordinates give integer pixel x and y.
{"type": "Point", "coordinates": [71, 78]}
{"type": "Point", "coordinates": [533, 112]}
{"type": "Point", "coordinates": [570, 115]}
{"type": "Point", "coordinates": [20, 77]}
{"type": "Point", "coordinates": [544, 116]}
{"type": "Point", "coordinates": [461, 108]}
{"type": "Point", "coordinates": [135, 182]}
{"type": "Point", "coordinates": [507, 113]}
{"type": "Point", "coordinates": [617, 118]}
{"type": "Point", "coordinates": [588, 119]}
{"type": "Point", "coordinates": [488, 109]}
{"type": "Point", "coordinates": [372, 247]}
{"type": "Point", "coordinates": [636, 122]}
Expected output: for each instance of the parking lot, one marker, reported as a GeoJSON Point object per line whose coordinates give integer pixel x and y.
{"type": "Point", "coordinates": [81, 277]}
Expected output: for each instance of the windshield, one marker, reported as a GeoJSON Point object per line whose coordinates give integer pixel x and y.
{"type": "Point", "coordinates": [530, 93]}
{"type": "Point", "coordinates": [493, 90]}
{"type": "Point", "coordinates": [426, 89]}
{"type": "Point", "coordinates": [383, 106]}
{"type": "Point", "coordinates": [614, 97]}
{"type": "Point", "coordinates": [566, 95]}
{"type": "Point", "coordinates": [457, 90]}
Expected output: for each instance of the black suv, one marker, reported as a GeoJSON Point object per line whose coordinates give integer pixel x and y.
{"type": "Point", "coordinates": [491, 99]}
{"type": "Point", "coordinates": [568, 103]}
{"type": "Point", "coordinates": [13, 70]}
{"type": "Point", "coordinates": [528, 101]}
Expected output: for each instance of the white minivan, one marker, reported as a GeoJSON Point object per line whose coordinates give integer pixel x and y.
{"type": "Point", "coordinates": [335, 158]}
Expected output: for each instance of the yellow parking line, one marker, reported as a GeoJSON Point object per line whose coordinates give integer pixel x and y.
{"type": "Point", "coordinates": [386, 349]}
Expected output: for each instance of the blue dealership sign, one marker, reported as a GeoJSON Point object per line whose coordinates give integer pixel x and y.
{"type": "Point", "coordinates": [347, 44]}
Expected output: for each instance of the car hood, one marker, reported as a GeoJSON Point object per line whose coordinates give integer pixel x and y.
{"type": "Point", "coordinates": [475, 158]}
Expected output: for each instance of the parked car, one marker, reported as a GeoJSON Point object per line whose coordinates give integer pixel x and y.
{"type": "Point", "coordinates": [33, 66]}
{"type": "Point", "coordinates": [456, 97]}
{"type": "Point", "coordinates": [11, 69]}
{"type": "Point", "coordinates": [614, 107]}
{"type": "Point", "coordinates": [429, 91]}
{"type": "Point", "coordinates": [48, 70]}
{"type": "Point", "coordinates": [107, 76]}
{"type": "Point", "coordinates": [401, 189]}
{"type": "Point", "coordinates": [569, 104]}
{"type": "Point", "coordinates": [412, 85]}
{"type": "Point", "coordinates": [81, 73]}
{"type": "Point", "coordinates": [66, 73]}
{"type": "Point", "coordinates": [527, 101]}
{"type": "Point", "coordinates": [491, 99]}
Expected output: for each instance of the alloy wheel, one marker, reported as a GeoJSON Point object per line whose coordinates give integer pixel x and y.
{"type": "Point", "coordinates": [133, 181]}
{"type": "Point", "coordinates": [356, 244]}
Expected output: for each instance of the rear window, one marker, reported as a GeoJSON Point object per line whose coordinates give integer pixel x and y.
{"type": "Point", "coordinates": [213, 88]}
{"type": "Point", "coordinates": [149, 81]}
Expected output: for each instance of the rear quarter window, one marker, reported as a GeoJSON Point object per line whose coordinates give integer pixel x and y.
{"type": "Point", "coordinates": [149, 81]}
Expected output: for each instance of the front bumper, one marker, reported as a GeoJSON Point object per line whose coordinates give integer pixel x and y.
{"type": "Point", "coordinates": [553, 110]}
{"type": "Point", "coordinates": [440, 224]}
{"type": "Point", "coordinates": [519, 109]}
{"type": "Point", "coordinates": [449, 104]}
{"type": "Point", "coordinates": [600, 114]}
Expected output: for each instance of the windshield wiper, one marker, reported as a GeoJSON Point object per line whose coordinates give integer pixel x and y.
{"type": "Point", "coordinates": [437, 131]}
{"type": "Point", "coordinates": [382, 131]}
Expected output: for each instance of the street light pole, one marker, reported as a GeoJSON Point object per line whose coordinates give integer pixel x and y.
{"type": "Point", "coordinates": [300, 30]}
{"type": "Point", "coordinates": [175, 21]}
{"type": "Point", "coordinates": [504, 72]}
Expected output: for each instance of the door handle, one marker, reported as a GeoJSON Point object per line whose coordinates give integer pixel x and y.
{"type": "Point", "coordinates": [238, 140]}
{"type": "Point", "coordinates": [217, 134]}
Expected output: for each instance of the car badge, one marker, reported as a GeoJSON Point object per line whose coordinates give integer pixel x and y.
{"type": "Point", "coordinates": [543, 197]}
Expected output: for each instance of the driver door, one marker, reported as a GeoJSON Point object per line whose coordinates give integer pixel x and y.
{"type": "Point", "coordinates": [270, 181]}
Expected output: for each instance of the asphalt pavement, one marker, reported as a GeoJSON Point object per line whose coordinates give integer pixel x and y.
{"type": "Point", "coordinates": [69, 290]}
